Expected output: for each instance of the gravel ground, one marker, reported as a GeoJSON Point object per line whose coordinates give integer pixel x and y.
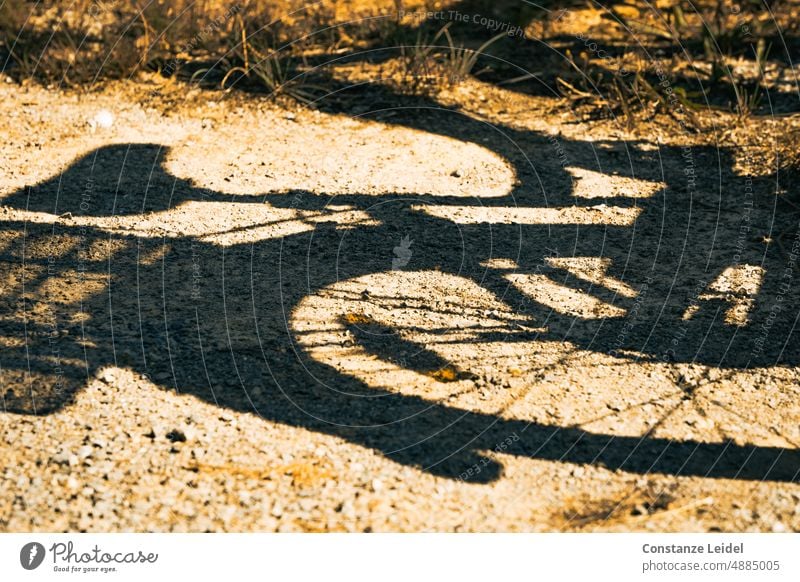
{"type": "Point", "coordinates": [222, 315]}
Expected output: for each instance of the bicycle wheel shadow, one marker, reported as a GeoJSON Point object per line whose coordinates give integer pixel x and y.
{"type": "Point", "coordinates": [212, 321]}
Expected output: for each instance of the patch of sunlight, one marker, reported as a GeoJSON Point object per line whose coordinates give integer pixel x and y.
{"type": "Point", "coordinates": [500, 264]}
{"type": "Point", "coordinates": [49, 248]}
{"type": "Point", "coordinates": [154, 256]}
{"type": "Point", "coordinates": [424, 316]}
{"type": "Point", "coordinates": [353, 156]}
{"type": "Point", "coordinates": [221, 223]}
{"type": "Point", "coordinates": [343, 217]}
{"type": "Point", "coordinates": [591, 184]}
{"type": "Point", "coordinates": [356, 318]}
{"type": "Point", "coordinates": [572, 302]}
{"type": "Point", "coordinates": [446, 374]}
{"type": "Point", "coordinates": [737, 285]}
{"type": "Point", "coordinates": [103, 249]}
{"type": "Point", "coordinates": [7, 341]}
{"type": "Point", "coordinates": [594, 270]}
{"type": "Point", "coordinates": [600, 214]}
{"type": "Point", "coordinates": [71, 287]}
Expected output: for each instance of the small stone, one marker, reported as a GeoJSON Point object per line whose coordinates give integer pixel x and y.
{"type": "Point", "coordinates": [191, 433]}
{"type": "Point", "coordinates": [108, 376]}
{"type": "Point", "coordinates": [347, 509]}
{"type": "Point", "coordinates": [61, 458]}
{"type": "Point", "coordinates": [578, 472]}
{"type": "Point", "coordinates": [176, 436]}
{"type": "Point", "coordinates": [103, 119]}
{"type": "Point", "coordinates": [227, 513]}
{"type": "Point", "coordinates": [516, 383]}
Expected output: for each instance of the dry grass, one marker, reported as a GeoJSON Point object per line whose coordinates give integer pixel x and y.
{"type": "Point", "coordinates": [712, 54]}
{"type": "Point", "coordinates": [82, 42]}
{"type": "Point", "coordinates": [304, 474]}
{"type": "Point", "coordinates": [638, 63]}
{"type": "Point", "coordinates": [431, 63]}
{"type": "Point", "coordinates": [789, 154]}
{"type": "Point", "coordinates": [644, 502]}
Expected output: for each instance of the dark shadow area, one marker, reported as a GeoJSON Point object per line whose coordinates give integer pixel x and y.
{"type": "Point", "coordinates": [212, 321]}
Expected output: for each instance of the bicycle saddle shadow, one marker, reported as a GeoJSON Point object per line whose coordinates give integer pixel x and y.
{"type": "Point", "coordinates": [115, 180]}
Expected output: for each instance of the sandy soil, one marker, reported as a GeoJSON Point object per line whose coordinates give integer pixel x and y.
{"type": "Point", "coordinates": [469, 314]}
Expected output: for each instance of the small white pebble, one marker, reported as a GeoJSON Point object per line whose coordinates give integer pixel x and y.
{"type": "Point", "coordinates": [104, 119]}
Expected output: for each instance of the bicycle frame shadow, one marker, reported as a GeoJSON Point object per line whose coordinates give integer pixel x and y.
{"type": "Point", "coordinates": [213, 321]}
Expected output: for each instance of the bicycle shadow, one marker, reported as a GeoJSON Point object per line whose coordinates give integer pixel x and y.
{"type": "Point", "coordinates": [214, 321]}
